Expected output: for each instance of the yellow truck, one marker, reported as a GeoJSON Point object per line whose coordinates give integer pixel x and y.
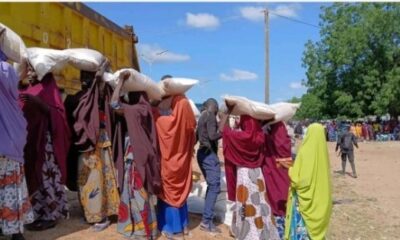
{"type": "Point", "coordinates": [59, 25]}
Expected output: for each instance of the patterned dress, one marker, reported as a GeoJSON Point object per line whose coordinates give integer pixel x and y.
{"type": "Point", "coordinates": [15, 208]}
{"type": "Point", "coordinates": [298, 230]}
{"type": "Point", "coordinates": [137, 215]}
{"type": "Point", "coordinates": [49, 202]}
{"type": "Point", "coordinates": [97, 182]}
{"type": "Point", "coordinates": [253, 216]}
{"type": "Point", "coordinates": [280, 225]}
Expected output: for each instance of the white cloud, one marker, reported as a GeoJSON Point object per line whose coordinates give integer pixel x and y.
{"type": "Point", "coordinates": [296, 85]}
{"type": "Point", "coordinates": [252, 13]}
{"type": "Point", "coordinates": [256, 14]}
{"type": "Point", "coordinates": [238, 75]}
{"type": "Point", "coordinates": [153, 53]}
{"type": "Point", "coordinates": [290, 10]}
{"type": "Point", "coordinates": [202, 20]}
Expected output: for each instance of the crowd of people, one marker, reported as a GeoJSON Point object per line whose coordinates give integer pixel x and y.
{"type": "Point", "coordinates": [130, 157]}
{"type": "Point", "coordinates": [380, 130]}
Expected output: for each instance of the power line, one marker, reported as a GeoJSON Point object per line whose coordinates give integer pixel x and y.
{"type": "Point", "coordinates": [294, 20]}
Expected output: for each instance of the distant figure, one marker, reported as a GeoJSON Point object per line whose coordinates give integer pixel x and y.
{"type": "Point", "coordinates": [291, 133]}
{"type": "Point", "coordinates": [207, 158]}
{"type": "Point", "coordinates": [346, 142]}
{"type": "Point", "coordinates": [309, 205]}
{"type": "Point", "coordinates": [298, 130]}
{"type": "Point", "coordinates": [365, 134]}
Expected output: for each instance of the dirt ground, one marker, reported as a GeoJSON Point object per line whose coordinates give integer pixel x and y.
{"type": "Point", "coordinates": [364, 208]}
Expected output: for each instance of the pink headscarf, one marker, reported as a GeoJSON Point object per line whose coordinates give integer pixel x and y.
{"type": "Point", "coordinates": [39, 124]}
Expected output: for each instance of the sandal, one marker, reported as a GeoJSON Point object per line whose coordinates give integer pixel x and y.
{"type": "Point", "coordinates": [98, 227]}
{"type": "Point", "coordinates": [169, 236]}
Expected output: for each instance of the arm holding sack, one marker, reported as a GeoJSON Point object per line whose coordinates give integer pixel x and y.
{"type": "Point", "coordinates": [115, 104]}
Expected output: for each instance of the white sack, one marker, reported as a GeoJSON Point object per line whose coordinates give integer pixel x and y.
{"type": "Point", "coordinates": [44, 60]}
{"type": "Point", "coordinates": [84, 59]}
{"type": "Point", "coordinates": [21, 69]}
{"type": "Point", "coordinates": [221, 210]}
{"type": "Point", "coordinates": [136, 82]}
{"type": "Point", "coordinates": [245, 106]}
{"type": "Point", "coordinates": [176, 86]}
{"type": "Point", "coordinates": [284, 111]}
{"type": "Point", "coordinates": [194, 108]}
{"type": "Point", "coordinates": [12, 45]}
{"type": "Point", "coordinates": [110, 78]}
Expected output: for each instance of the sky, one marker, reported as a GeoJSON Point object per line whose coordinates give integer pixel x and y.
{"type": "Point", "coordinates": [221, 44]}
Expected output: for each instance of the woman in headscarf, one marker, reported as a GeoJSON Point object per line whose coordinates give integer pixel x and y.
{"type": "Point", "coordinates": [277, 161]}
{"type": "Point", "coordinates": [15, 208]}
{"type": "Point", "coordinates": [46, 150]}
{"type": "Point", "coordinates": [97, 181]}
{"type": "Point", "coordinates": [71, 103]}
{"type": "Point", "coordinates": [309, 205]}
{"type": "Point", "coordinates": [137, 157]}
{"type": "Point", "coordinates": [176, 135]}
{"type": "Point", "coordinates": [244, 158]}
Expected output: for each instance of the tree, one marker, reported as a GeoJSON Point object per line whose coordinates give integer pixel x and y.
{"type": "Point", "coordinates": [354, 70]}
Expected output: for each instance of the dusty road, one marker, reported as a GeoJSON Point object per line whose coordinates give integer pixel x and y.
{"type": "Point", "coordinates": [364, 208]}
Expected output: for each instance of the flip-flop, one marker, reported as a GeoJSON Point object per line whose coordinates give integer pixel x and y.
{"type": "Point", "coordinates": [98, 227]}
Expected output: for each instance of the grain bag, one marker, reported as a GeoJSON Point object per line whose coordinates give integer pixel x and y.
{"type": "Point", "coordinates": [84, 59]}
{"type": "Point", "coordinates": [136, 82]}
{"type": "Point", "coordinates": [284, 111]}
{"type": "Point", "coordinates": [194, 108]}
{"type": "Point", "coordinates": [44, 60]}
{"type": "Point", "coordinates": [176, 86]}
{"type": "Point", "coordinates": [12, 45]}
{"type": "Point", "coordinates": [245, 106]}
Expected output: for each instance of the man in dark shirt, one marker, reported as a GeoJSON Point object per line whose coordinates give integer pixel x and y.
{"type": "Point", "coordinates": [207, 157]}
{"type": "Point", "coordinates": [346, 142]}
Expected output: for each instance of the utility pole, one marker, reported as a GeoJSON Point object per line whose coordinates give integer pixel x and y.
{"type": "Point", "coordinates": [266, 17]}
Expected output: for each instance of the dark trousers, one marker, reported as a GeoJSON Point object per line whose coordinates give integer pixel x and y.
{"type": "Point", "coordinates": [211, 169]}
{"type": "Point", "coordinates": [348, 156]}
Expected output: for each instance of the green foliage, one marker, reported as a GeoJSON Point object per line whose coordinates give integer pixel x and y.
{"type": "Point", "coordinates": [354, 70]}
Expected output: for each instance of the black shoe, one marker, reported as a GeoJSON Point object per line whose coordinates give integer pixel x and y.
{"type": "Point", "coordinates": [17, 236]}
{"type": "Point", "coordinates": [39, 225]}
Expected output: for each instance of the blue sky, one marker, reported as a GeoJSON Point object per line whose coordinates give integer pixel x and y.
{"type": "Point", "coordinates": [221, 44]}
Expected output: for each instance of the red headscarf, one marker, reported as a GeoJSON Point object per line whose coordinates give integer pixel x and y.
{"type": "Point", "coordinates": [38, 124]}
{"type": "Point", "coordinates": [242, 149]}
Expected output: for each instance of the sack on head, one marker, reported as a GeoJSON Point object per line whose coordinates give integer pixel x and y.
{"type": "Point", "coordinates": [84, 59]}
{"type": "Point", "coordinates": [11, 44]}
{"type": "Point", "coordinates": [245, 106]}
{"type": "Point", "coordinates": [176, 86]}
